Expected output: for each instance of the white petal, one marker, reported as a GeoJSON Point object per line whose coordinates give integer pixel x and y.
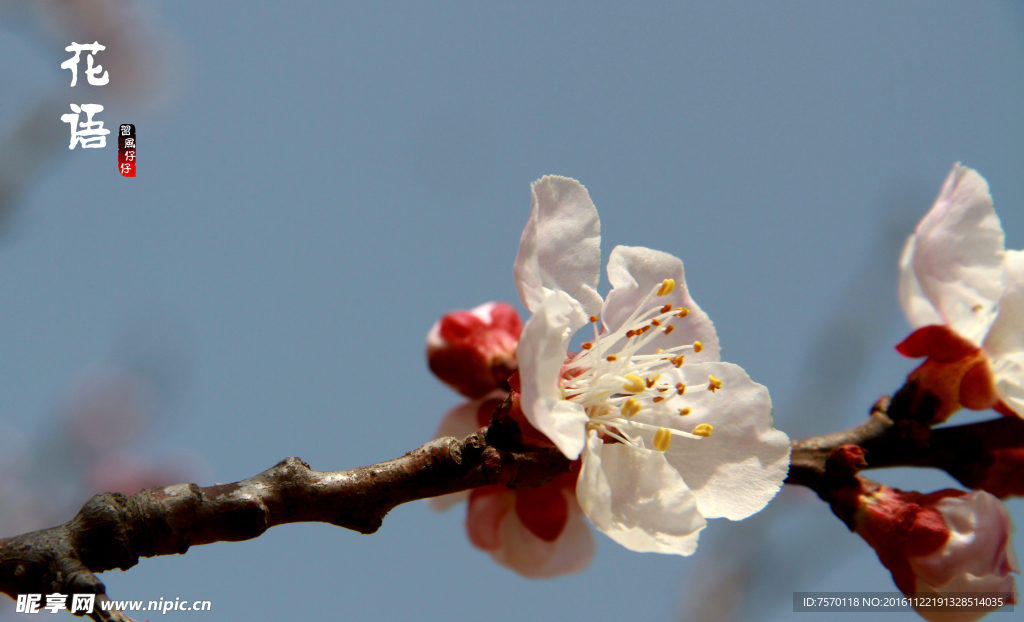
{"type": "Point", "coordinates": [958, 254]}
{"type": "Point", "coordinates": [541, 354]}
{"type": "Point", "coordinates": [633, 271]}
{"type": "Point", "coordinates": [637, 499]}
{"type": "Point", "coordinates": [918, 309]}
{"type": "Point", "coordinates": [561, 245]}
{"type": "Point", "coordinates": [1005, 341]}
{"type": "Point", "coordinates": [738, 469]}
{"type": "Point", "coordinates": [460, 422]}
{"type": "Point", "coordinates": [980, 541]}
{"type": "Point", "coordinates": [530, 556]}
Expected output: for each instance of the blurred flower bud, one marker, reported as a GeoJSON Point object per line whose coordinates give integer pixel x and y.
{"type": "Point", "coordinates": [474, 352]}
{"type": "Point", "coordinates": [942, 543]}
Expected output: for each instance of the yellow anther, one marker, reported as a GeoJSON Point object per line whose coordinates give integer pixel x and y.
{"type": "Point", "coordinates": [662, 439]}
{"type": "Point", "coordinates": [714, 384]}
{"type": "Point", "coordinates": [612, 357]}
{"type": "Point", "coordinates": [658, 399]}
{"type": "Point", "coordinates": [680, 388]}
{"type": "Point", "coordinates": [683, 412]}
{"type": "Point", "coordinates": [658, 351]}
{"type": "Point", "coordinates": [697, 346]}
{"type": "Point", "coordinates": [682, 312]}
{"type": "Point", "coordinates": [704, 430]}
{"type": "Point", "coordinates": [650, 381]}
{"type": "Point", "coordinates": [634, 384]}
{"type": "Point", "coordinates": [655, 322]}
{"type": "Point", "coordinates": [587, 345]}
{"type": "Point", "coordinates": [666, 287]}
{"type": "Point", "coordinates": [594, 318]}
{"type": "Point", "coordinates": [669, 329]}
{"type": "Point", "coordinates": [630, 407]}
{"type": "Point", "coordinates": [666, 308]}
{"type": "Point", "coordinates": [678, 360]}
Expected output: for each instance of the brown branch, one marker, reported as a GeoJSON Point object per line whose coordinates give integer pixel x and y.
{"type": "Point", "coordinates": [114, 531]}
{"type": "Point", "coordinates": [963, 451]}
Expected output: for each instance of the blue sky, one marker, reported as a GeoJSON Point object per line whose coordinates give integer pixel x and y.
{"type": "Point", "coordinates": [322, 181]}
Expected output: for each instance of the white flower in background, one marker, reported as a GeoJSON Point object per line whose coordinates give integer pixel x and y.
{"type": "Point", "coordinates": [963, 293]}
{"type": "Point", "coordinates": [668, 435]}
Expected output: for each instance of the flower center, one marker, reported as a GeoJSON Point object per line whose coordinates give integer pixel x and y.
{"type": "Point", "coordinates": [614, 382]}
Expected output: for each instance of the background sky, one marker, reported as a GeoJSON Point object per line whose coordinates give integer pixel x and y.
{"type": "Point", "coordinates": [317, 184]}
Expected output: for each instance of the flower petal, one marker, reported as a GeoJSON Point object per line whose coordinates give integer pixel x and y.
{"type": "Point", "coordinates": [916, 306]}
{"type": "Point", "coordinates": [633, 272]}
{"type": "Point", "coordinates": [1005, 341]}
{"type": "Point", "coordinates": [530, 556]}
{"type": "Point", "coordinates": [958, 257]}
{"type": "Point", "coordinates": [560, 248]}
{"type": "Point", "coordinates": [980, 541]}
{"type": "Point", "coordinates": [489, 507]}
{"type": "Point", "coordinates": [637, 499]}
{"type": "Point", "coordinates": [541, 353]}
{"type": "Point", "coordinates": [738, 469]}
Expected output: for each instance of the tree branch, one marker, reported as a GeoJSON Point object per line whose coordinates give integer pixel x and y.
{"type": "Point", "coordinates": [963, 451]}
{"type": "Point", "coordinates": [114, 531]}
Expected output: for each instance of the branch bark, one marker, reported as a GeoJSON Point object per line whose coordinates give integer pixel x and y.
{"type": "Point", "coordinates": [963, 451]}
{"type": "Point", "coordinates": [114, 531]}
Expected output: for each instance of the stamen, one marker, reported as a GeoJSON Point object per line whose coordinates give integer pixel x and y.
{"type": "Point", "coordinates": [634, 384]}
{"type": "Point", "coordinates": [630, 407]}
{"type": "Point", "coordinates": [587, 345]}
{"type": "Point", "coordinates": [678, 361]}
{"type": "Point", "coordinates": [655, 322]}
{"type": "Point", "coordinates": [659, 351]}
{"type": "Point", "coordinates": [662, 439]}
{"type": "Point", "coordinates": [658, 399]}
{"type": "Point", "coordinates": [704, 429]}
{"type": "Point", "coordinates": [666, 287]}
{"type": "Point", "coordinates": [681, 312]}
{"type": "Point", "coordinates": [697, 346]}
{"type": "Point", "coordinates": [714, 384]}
{"type": "Point", "coordinates": [612, 357]}
{"type": "Point", "coordinates": [594, 318]}
{"type": "Point", "coordinates": [666, 308]}
{"type": "Point", "coordinates": [669, 329]}
{"type": "Point", "coordinates": [684, 411]}
{"type": "Point", "coordinates": [681, 388]}
{"type": "Point", "coordinates": [651, 381]}
{"type": "Point", "coordinates": [663, 389]}
{"type": "Point", "coordinates": [630, 334]}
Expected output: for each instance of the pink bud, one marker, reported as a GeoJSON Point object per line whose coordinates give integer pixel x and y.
{"type": "Point", "coordinates": [474, 352]}
{"type": "Point", "coordinates": [942, 543]}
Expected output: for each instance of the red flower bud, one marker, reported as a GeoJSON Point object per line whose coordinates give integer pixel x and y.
{"type": "Point", "coordinates": [944, 542]}
{"type": "Point", "coordinates": [474, 352]}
